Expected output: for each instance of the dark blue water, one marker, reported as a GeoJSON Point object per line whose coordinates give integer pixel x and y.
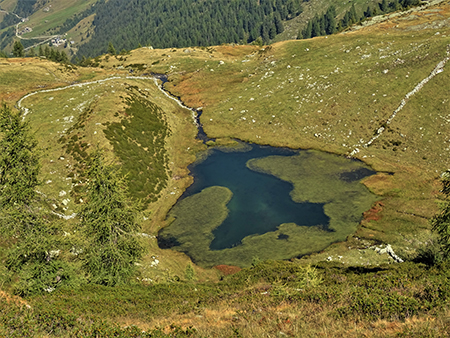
{"type": "Point", "coordinates": [260, 202]}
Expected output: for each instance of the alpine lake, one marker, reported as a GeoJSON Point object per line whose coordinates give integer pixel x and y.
{"type": "Point", "coordinates": [259, 202]}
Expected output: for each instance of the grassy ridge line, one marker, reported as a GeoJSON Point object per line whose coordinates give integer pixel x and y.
{"type": "Point", "coordinates": [78, 85]}
{"type": "Point", "coordinates": [79, 113]}
{"type": "Point", "coordinates": [381, 18]}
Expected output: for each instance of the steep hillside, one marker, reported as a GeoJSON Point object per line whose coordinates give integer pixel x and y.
{"type": "Point", "coordinates": [377, 93]}
{"type": "Point", "coordinates": [38, 22]}
{"type": "Point", "coordinates": [365, 94]}
{"type": "Point", "coordinates": [91, 25]}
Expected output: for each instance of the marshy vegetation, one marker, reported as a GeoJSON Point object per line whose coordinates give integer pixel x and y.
{"type": "Point", "coordinates": [213, 229]}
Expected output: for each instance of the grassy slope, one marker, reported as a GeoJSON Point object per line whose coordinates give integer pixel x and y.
{"type": "Point", "coordinates": [85, 113]}
{"type": "Point", "coordinates": [408, 195]}
{"type": "Point", "coordinates": [331, 93]}
{"type": "Point", "coordinates": [42, 22]}
{"type": "Point", "coordinates": [8, 4]}
{"type": "Point", "coordinates": [272, 299]}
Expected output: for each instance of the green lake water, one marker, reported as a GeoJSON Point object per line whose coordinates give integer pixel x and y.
{"type": "Point", "coordinates": [266, 203]}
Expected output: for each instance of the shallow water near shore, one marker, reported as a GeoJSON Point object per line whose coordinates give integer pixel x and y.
{"type": "Point", "coordinates": [266, 202]}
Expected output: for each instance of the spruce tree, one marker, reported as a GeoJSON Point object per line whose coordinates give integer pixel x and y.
{"type": "Point", "coordinates": [278, 23]}
{"type": "Point", "coordinates": [111, 49]}
{"type": "Point", "coordinates": [18, 50]}
{"type": "Point", "coordinates": [307, 32]}
{"type": "Point", "coordinates": [315, 28]}
{"type": "Point", "coordinates": [19, 164]}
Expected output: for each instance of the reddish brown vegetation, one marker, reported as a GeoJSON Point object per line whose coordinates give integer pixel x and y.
{"type": "Point", "coordinates": [373, 213]}
{"type": "Point", "coordinates": [228, 269]}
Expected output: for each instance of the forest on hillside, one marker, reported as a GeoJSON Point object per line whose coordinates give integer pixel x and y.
{"type": "Point", "coordinates": [328, 23]}
{"type": "Point", "coordinates": [183, 23]}
{"type": "Point", "coordinates": [25, 8]}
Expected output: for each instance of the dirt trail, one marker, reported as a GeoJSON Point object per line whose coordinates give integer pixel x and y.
{"type": "Point", "coordinates": [25, 110]}
{"type": "Point", "coordinates": [438, 69]}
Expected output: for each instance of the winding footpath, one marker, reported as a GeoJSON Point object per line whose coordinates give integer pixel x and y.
{"type": "Point", "coordinates": [79, 85]}
{"type": "Point", "coordinates": [46, 37]}
{"type": "Point", "coordinates": [438, 69]}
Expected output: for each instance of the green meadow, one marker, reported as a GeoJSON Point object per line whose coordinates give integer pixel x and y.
{"type": "Point", "coordinates": [329, 94]}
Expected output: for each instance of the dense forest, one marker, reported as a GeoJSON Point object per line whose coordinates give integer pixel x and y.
{"type": "Point", "coordinates": [9, 20]}
{"type": "Point", "coordinates": [182, 23]}
{"type": "Point", "coordinates": [25, 8]}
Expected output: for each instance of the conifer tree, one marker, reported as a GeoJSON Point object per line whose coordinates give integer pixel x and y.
{"type": "Point", "coordinates": [111, 49]}
{"type": "Point", "coordinates": [278, 23]}
{"type": "Point", "coordinates": [31, 53]}
{"type": "Point", "coordinates": [441, 222]}
{"type": "Point", "coordinates": [307, 32]}
{"type": "Point", "coordinates": [19, 164]}
{"type": "Point", "coordinates": [368, 12]}
{"type": "Point", "coordinates": [34, 258]}
{"type": "Point", "coordinates": [18, 50]}
{"type": "Point", "coordinates": [109, 221]}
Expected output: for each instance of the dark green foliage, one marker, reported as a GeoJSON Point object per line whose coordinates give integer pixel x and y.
{"type": "Point", "coordinates": [181, 23]}
{"type": "Point", "coordinates": [19, 164]}
{"type": "Point", "coordinates": [109, 222]}
{"type": "Point", "coordinates": [9, 20]}
{"type": "Point", "coordinates": [441, 222]}
{"type": "Point", "coordinates": [326, 24]}
{"type": "Point", "coordinates": [18, 320]}
{"type": "Point", "coordinates": [139, 143]}
{"type": "Point", "coordinates": [53, 54]}
{"type": "Point", "coordinates": [36, 258]}
{"type": "Point", "coordinates": [322, 25]}
{"type": "Point", "coordinates": [3, 54]}
{"type": "Point", "coordinates": [394, 5]}
{"type": "Point", "coordinates": [18, 49]}
{"type": "Point", "coordinates": [25, 8]}
{"type": "Point", "coordinates": [111, 49]}
{"type": "Point", "coordinates": [307, 32]}
{"type": "Point", "coordinates": [31, 53]}
{"type": "Point", "coordinates": [5, 37]}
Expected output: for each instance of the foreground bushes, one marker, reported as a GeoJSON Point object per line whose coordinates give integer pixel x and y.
{"type": "Point", "coordinates": [361, 295]}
